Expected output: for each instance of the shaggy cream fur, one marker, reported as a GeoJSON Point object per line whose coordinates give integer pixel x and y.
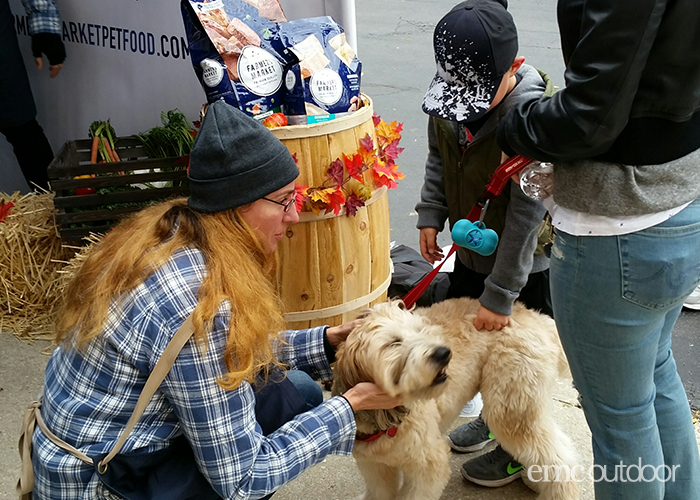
{"type": "Point", "coordinates": [408, 353]}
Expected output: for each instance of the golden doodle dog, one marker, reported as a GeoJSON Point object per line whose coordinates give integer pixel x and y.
{"type": "Point", "coordinates": [438, 361]}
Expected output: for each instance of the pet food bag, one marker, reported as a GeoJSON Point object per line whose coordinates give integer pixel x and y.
{"type": "Point", "coordinates": [325, 81]}
{"type": "Point", "coordinates": [236, 52]}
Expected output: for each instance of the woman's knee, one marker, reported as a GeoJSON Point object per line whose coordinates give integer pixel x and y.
{"type": "Point", "coordinates": [307, 387]}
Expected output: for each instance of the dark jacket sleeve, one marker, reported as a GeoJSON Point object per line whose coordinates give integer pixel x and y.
{"type": "Point", "coordinates": [602, 77]}
{"type": "Point", "coordinates": [515, 254]}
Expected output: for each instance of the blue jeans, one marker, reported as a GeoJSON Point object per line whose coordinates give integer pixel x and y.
{"type": "Point", "coordinates": [615, 301]}
{"type": "Point", "coordinates": [307, 387]}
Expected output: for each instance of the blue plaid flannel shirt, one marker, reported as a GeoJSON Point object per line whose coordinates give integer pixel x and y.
{"type": "Point", "coordinates": [43, 16]}
{"type": "Point", "coordinates": [89, 396]}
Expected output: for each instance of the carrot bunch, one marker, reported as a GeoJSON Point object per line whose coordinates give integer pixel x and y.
{"type": "Point", "coordinates": [103, 136]}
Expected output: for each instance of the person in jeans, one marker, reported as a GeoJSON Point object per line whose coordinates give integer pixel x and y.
{"type": "Point", "coordinates": [624, 138]}
{"type": "Point", "coordinates": [479, 78]}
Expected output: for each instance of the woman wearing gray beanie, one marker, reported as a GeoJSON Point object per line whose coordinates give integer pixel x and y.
{"type": "Point", "coordinates": [211, 257]}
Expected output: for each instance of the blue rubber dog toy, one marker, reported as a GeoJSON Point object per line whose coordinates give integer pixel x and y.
{"type": "Point", "coordinates": [475, 236]}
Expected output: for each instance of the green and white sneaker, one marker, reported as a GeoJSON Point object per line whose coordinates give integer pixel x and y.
{"type": "Point", "coordinates": [494, 469]}
{"type": "Point", "coordinates": [470, 437]}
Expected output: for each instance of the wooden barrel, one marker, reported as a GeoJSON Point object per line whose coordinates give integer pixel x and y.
{"type": "Point", "coordinates": [333, 266]}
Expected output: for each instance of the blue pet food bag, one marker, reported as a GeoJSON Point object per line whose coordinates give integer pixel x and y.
{"type": "Point", "coordinates": [324, 83]}
{"type": "Point", "coordinates": [236, 52]}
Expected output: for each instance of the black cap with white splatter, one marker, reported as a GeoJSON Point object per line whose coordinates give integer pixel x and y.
{"type": "Point", "coordinates": [475, 44]}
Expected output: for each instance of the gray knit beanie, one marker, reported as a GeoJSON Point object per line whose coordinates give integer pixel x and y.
{"type": "Point", "coordinates": [235, 160]}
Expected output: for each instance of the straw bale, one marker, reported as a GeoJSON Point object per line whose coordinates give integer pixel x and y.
{"type": "Point", "coordinates": [31, 256]}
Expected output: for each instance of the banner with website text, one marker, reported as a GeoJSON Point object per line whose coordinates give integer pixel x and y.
{"type": "Point", "coordinates": [127, 60]}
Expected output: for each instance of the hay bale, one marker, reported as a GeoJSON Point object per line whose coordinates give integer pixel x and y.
{"type": "Point", "coordinates": [31, 256]}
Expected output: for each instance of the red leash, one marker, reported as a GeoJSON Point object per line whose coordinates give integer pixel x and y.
{"type": "Point", "coordinates": [495, 187]}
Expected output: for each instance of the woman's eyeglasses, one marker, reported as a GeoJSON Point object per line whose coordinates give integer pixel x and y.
{"type": "Point", "coordinates": [287, 204]}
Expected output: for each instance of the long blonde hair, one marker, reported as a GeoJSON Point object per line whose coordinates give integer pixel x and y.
{"type": "Point", "coordinates": [238, 270]}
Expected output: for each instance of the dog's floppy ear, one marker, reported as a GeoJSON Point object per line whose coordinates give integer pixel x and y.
{"type": "Point", "coordinates": [348, 371]}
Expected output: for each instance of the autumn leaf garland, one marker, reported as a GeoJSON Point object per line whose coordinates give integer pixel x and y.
{"type": "Point", "coordinates": [349, 190]}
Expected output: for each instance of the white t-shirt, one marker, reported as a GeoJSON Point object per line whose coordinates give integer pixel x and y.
{"type": "Point", "coordinates": [581, 224]}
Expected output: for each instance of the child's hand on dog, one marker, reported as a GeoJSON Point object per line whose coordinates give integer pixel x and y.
{"type": "Point", "coordinates": [368, 396]}
{"type": "Point", "coordinates": [488, 320]}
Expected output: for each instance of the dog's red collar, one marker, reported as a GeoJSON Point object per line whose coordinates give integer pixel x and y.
{"type": "Point", "coordinates": [391, 432]}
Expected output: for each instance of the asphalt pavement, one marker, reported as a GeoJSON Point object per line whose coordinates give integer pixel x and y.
{"type": "Point", "coordinates": [395, 46]}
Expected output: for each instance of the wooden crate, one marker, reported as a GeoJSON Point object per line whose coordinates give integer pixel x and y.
{"type": "Point", "coordinates": [79, 215]}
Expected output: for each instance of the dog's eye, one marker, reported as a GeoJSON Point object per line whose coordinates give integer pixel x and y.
{"type": "Point", "coordinates": [395, 343]}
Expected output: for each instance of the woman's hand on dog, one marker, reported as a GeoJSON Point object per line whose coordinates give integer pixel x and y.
{"type": "Point", "coordinates": [338, 334]}
{"type": "Point", "coordinates": [489, 320]}
{"type": "Point", "coordinates": [368, 396]}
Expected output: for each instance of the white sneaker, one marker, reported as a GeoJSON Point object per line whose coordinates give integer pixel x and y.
{"type": "Point", "coordinates": [693, 301]}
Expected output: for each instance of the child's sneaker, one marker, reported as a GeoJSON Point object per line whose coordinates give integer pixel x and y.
{"type": "Point", "coordinates": [493, 469]}
{"type": "Point", "coordinates": [693, 300]}
{"type": "Point", "coordinates": [471, 436]}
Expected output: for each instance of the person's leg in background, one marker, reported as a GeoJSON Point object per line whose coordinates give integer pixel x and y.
{"type": "Point", "coordinates": [464, 282]}
{"type": "Point", "coordinates": [615, 301]}
{"type": "Point", "coordinates": [17, 110]}
{"type": "Point", "coordinates": [33, 152]}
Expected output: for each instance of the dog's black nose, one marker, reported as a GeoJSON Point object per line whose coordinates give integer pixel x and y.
{"type": "Point", "coordinates": [442, 356]}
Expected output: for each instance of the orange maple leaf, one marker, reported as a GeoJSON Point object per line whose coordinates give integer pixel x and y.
{"type": "Point", "coordinates": [302, 196]}
{"type": "Point", "coordinates": [355, 166]}
{"type": "Point", "coordinates": [317, 199]}
{"type": "Point", "coordinates": [386, 175]}
{"type": "Point", "coordinates": [388, 132]}
{"type": "Point", "coordinates": [316, 206]}
{"type": "Point", "coordinates": [329, 199]}
{"type": "Point", "coordinates": [336, 201]}
{"type": "Point", "coordinates": [320, 194]}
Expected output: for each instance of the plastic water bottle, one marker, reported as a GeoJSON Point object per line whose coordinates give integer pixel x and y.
{"type": "Point", "coordinates": [537, 180]}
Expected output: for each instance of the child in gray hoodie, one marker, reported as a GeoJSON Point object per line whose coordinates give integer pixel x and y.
{"type": "Point", "coordinates": [479, 78]}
